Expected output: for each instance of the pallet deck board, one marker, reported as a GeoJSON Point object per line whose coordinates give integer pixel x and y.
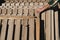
{"type": "Point", "coordinates": [56, 26]}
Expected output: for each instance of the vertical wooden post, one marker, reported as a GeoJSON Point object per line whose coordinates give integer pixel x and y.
{"type": "Point", "coordinates": [37, 25]}
{"type": "Point", "coordinates": [18, 24]}
{"type": "Point", "coordinates": [24, 22]}
{"type": "Point", "coordinates": [4, 25]}
{"type": "Point", "coordinates": [31, 23]}
{"type": "Point", "coordinates": [11, 24]}
{"type": "Point", "coordinates": [52, 25]}
{"type": "Point", "coordinates": [48, 25]}
{"type": "Point", "coordinates": [56, 26]}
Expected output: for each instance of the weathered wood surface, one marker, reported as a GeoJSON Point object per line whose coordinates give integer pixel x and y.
{"type": "Point", "coordinates": [4, 25]}
{"type": "Point", "coordinates": [47, 24]}
{"type": "Point", "coordinates": [31, 23]}
{"type": "Point", "coordinates": [56, 26]}
{"type": "Point", "coordinates": [17, 14]}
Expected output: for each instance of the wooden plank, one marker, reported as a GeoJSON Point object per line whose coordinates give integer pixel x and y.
{"type": "Point", "coordinates": [4, 25]}
{"type": "Point", "coordinates": [10, 29]}
{"type": "Point", "coordinates": [37, 24]}
{"type": "Point", "coordinates": [11, 24]}
{"type": "Point", "coordinates": [18, 24]}
{"type": "Point", "coordinates": [52, 24]}
{"type": "Point", "coordinates": [31, 23]}
{"type": "Point", "coordinates": [24, 23]}
{"type": "Point", "coordinates": [56, 26]}
{"type": "Point", "coordinates": [17, 30]}
{"type": "Point", "coordinates": [48, 25]}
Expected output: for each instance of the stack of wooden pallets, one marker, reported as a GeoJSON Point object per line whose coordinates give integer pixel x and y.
{"type": "Point", "coordinates": [19, 21]}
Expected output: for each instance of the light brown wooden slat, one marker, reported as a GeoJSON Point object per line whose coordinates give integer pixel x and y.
{"type": "Point", "coordinates": [31, 23]}
{"type": "Point", "coordinates": [52, 24]}
{"type": "Point", "coordinates": [4, 25]}
{"type": "Point", "coordinates": [11, 24]}
{"type": "Point", "coordinates": [18, 24]}
{"type": "Point", "coordinates": [37, 25]}
{"type": "Point", "coordinates": [17, 30]}
{"type": "Point", "coordinates": [24, 30]}
{"type": "Point", "coordinates": [10, 29]}
{"type": "Point", "coordinates": [48, 25]}
{"type": "Point", "coordinates": [3, 32]}
{"type": "Point", "coordinates": [56, 26]}
{"type": "Point", "coordinates": [24, 27]}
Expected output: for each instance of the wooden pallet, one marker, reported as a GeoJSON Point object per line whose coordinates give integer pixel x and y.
{"type": "Point", "coordinates": [21, 22]}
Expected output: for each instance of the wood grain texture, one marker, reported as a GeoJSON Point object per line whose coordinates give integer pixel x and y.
{"type": "Point", "coordinates": [56, 26]}
{"type": "Point", "coordinates": [48, 25]}
{"type": "Point", "coordinates": [52, 25]}
{"type": "Point", "coordinates": [11, 25]}
{"type": "Point", "coordinates": [18, 24]}
{"type": "Point", "coordinates": [31, 23]}
{"type": "Point", "coordinates": [24, 24]}
{"type": "Point", "coordinates": [4, 25]}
